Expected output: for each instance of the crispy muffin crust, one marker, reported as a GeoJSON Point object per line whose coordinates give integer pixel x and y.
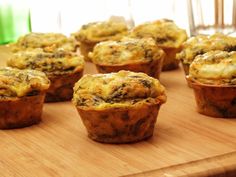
{"type": "Point", "coordinates": [126, 51]}
{"type": "Point", "coordinates": [101, 31]}
{"type": "Point", "coordinates": [215, 68]}
{"type": "Point", "coordinates": [19, 83]}
{"type": "Point", "coordinates": [47, 41]}
{"type": "Point", "coordinates": [60, 61]}
{"type": "Point", "coordinates": [164, 32]}
{"type": "Point", "coordinates": [122, 89]}
{"type": "Point", "coordinates": [201, 44]}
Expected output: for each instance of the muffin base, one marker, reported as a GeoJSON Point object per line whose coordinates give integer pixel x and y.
{"type": "Point", "coordinates": [85, 48]}
{"type": "Point", "coordinates": [120, 125]}
{"type": "Point", "coordinates": [152, 69]}
{"type": "Point", "coordinates": [215, 101]}
{"type": "Point", "coordinates": [170, 62]}
{"type": "Point", "coordinates": [21, 112]}
{"type": "Point", "coordinates": [61, 87]}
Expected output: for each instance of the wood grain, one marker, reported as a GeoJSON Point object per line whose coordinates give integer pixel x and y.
{"type": "Point", "coordinates": [210, 167]}
{"type": "Point", "coordinates": [185, 143]}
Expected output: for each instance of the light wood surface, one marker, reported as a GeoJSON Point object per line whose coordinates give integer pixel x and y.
{"type": "Point", "coordinates": [185, 143]}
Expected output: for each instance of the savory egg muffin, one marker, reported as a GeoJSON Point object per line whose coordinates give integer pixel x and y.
{"type": "Point", "coordinates": [47, 41]}
{"type": "Point", "coordinates": [119, 107]}
{"type": "Point", "coordinates": [95, 32]}
{"type": "Point", "coordinates": [212, 76]}
{"type": "Point", "coordinates": [138, 55]}
{"type": "Point", "coordinates": [22, 95]}
{"type": "Point", "coordinates": [201, 44]}
{"type": "Point", "coordinates": [167, 36]}
{"type": "Point", "coordinates": [63, 68]}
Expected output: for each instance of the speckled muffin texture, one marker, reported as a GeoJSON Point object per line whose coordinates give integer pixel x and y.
{"type": "Point", "coordinates": [63, 68]}
{"type": "Point", "coordinates": [119, 107]}
{"type": "Point", "coordinates": [137, 55]}
{"type": "Point", "coordinates": [92, 33]}
{"type": "Point", "coordinates": [201, 44]}
{"type": "Point", "coordinates": [22, 95]}
{"type": "Point", "coordinates": [47, 41]}
{"type": "Point", "coordinates": [167, 35]}
{"type": "Point", "coordinates": [212, 76]}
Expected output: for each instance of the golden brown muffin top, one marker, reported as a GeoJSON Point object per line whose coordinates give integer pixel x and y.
{"type": "Point", "coordinates": [101, 31]}
{"type": "Point", "coordinates": [215, 67]}
{"type": "Point", "coordinates": [126, 51]}
{"type": "Point", "coordinates": [201, 44]}
{"type": "Point", "coordinates": [114, 90]}
{"type": "Point", "coordinates": [48, 41]}
{"type": "Point", "coordinates": [60, 61]}
{"type": "Point", "coordinates": [165, 32]}
{"type": "Point", "coordinates": [19, 83]}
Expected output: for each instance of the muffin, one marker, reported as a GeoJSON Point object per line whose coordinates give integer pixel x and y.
{"type": "Point", "coordinates": [22, 95]}
{"type": "Point", "coordinates": [212, 76]}
{"type": "Point", "coordinates": [93, 33]}
{"type": "Point", "coordinates": [201, 44]}
{"type": "Point", "coordinates": [63, 69]}
{"type": "Point", "coordinates": [119, 107]}
{"type": "Point", "coordinates": [138, 55]}
{"type": "Point", "coordinates": [47, 41]}
{"type": "Point", "coordinates": [167, 35]}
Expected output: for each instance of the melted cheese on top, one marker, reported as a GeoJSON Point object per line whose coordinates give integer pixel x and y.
{"type": "Point", "coordinates": [56, 62]}
{"type": "Point", "coordinates": [201, 44]}
{"type": "Point", "coordinates": [101, 31]}
{"type": "Point", "coordinates": [164, 32]}
{"type": "Point", "coordinates": [215, 67]}
{"type": "Point", "coordinates": [120, 89]}
{"type": "Point", "coordinates": [18, 83]}
{"type": "Point", "coordinates": [48, 41]}
{"type": "Point", "coordinates": [126, 51]}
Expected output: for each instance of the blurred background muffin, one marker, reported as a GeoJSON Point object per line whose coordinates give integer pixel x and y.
{"type": "Point", "coordinates": [138, 55]}
{"type": "Point", "coordinates": [63, 68]}
{"type": "Point", "coordinates": [167, 36]}
{"type": "Point", "coordinates": [95, 32]}
{"type": "Point", "coordinates": [49, 42]}
{"type": "Point", "coordinates": [22, 95]}
{"type": "Point", "coordinates": [213, 79]}
{"type": "Point", "coordinates": [119, 107]}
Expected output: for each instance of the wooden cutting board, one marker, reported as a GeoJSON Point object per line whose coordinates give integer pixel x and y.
{"type": "Point", "coordinates": [185, 143]}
